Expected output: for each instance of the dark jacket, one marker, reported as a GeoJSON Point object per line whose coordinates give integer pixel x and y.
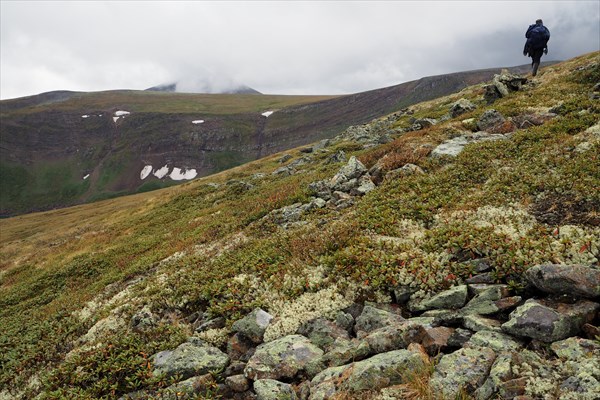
{"type": "Point", "coordinates": [537, 38]}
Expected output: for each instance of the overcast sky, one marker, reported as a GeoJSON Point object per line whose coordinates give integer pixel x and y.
{"type": "Point", "coordinates": [274, 47]}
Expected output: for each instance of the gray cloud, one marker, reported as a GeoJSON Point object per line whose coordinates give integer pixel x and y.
{"type": "Point", "coordinates": [274, 47]}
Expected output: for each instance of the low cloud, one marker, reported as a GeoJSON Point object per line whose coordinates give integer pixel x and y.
{"type": "Point", "coordinates": [274, 47]}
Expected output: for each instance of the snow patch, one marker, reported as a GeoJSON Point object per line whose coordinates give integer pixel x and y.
{"type": "Point", "coordinates": [177, 174]}
{"type": "Point", "coordinates": [85, 177]}
{"type": "Point", "coordinates": [145, 172]}
{"type": "Point", "coordinates": [115, 119]}
{"type": "Point", "coordinates": [120, 113]}
{"type": "Point", "coordinates": [198, 121]}
{"type": "Point", "coordinates": [85, 116]}
{"type": "Point", "coordinates": [162, 172]}
{"type": "Point", "coordinates": [267, 113]}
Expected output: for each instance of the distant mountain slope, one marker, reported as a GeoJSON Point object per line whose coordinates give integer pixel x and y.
{"type": "Point", "coordinates": [64, 148]}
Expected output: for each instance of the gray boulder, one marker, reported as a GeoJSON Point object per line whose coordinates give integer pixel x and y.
{"type": "Point", "coordinates": [577, 280]}
{"type": "Point", "coordinates": [189, 359]}
{"type": "Point", "coordinates": [550, 321]}
{"type": "Point", "coordinates": [373, 318]}
{"type": "Point", "coordinates": [455, 297]}
{"type": "Point", "coordinates": [489, 120]}
{"type": "Point", "coordinates": [460, 107]}
{"type": "Point", "coordinates": [322, 332]}
{"type": "Point", "coordinates": [270, 389]}
{"type": "Point", "coordinates": [465, 369]}
{"type": "Point", "coordinates": [253, 325]}
{"type": "Point", "coordinates": [374, 373]}
{"type": "Point", "coordinates": [394, 337]}
{"type": "Point", "coordinates": [496, 341]}
{"type": "Point", "coordinates": [282, 358]}
{"type": "Point", "coordinates": [455, 146]}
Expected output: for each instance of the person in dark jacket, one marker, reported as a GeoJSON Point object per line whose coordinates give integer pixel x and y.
{"type": "Point", "coordinates": [537, 43]}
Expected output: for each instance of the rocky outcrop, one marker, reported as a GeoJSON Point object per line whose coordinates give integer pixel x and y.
{"type": "Point", "coordinates": [502, 85]}
{"type": "Point", "coordinates": [478, 332]}
{"type": "Point", "coordinates": [189, 359]}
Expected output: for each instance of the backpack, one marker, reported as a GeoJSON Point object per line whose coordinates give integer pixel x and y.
{"type": "Point", "coordinates": [537, 36]}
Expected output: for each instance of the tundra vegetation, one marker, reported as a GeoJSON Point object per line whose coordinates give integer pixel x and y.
{"type": "Point", "coordinates": [73, 280]}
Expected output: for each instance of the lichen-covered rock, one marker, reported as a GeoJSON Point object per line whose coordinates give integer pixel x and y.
{"type": "Point", "coordinates": [581, 357]}
{"type": "Point", "coordinates": [343, 351]}
{"type": "Point", "coordinates": [455, 297]}
{"type": "Point", "coordinates": [455, 146]}
{"type": "Point", "coordinates": [460, 107]}
{"type": "Point", "coordinates": [187, 389]}
{"type": "Point", "coordinates": [501, 383]}
{"type": "Point", "coordinates": [270, 389]}
{"type": "Point", "coordinates": [465, 369]}
{"type": "Point", "coordinates": [354, 169]}
{"type": "Point", "coordinates": [282, 358]}
{"type": "Point", "coordinates": [238, 383]}
{"type": "Point", "coordinates": [374, 373]}
{"type": "Point", "coordinates": [393, 337]}
{"type": "Point", "coordinates": [577, 280]}
{"type": "Point", "coordinates": [253, 325]}
{"type": "Point", "coordinates": [550, 321]}
{"type": "Point", "coordinates": [239, 347]}
{"type": "Point", "coordinates": [496, 341]}
{"type": "Point", "coordinates": [189, 359]}
{"type": "Point", "coordinates": [490, 301]}
{"type": "Point", "coordinates": [478, 323]}
{"type": "Point", "coordinates": [373, 318]}
{"type": "Point", "coordinates": [322, 332]}
{"type": "Point", "coordinates": [490, 120]}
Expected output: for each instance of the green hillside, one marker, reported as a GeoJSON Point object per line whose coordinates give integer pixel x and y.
{"type": "Point", "coordinates": [73, 281]}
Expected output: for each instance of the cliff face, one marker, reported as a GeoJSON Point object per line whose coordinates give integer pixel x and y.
{"type": "Point", "coordinates": [54, 156]}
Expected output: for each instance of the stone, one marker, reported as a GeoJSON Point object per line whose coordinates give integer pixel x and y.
{"type": "Point", "coordinates": [465, 369]}
{"type": "Point", "coordinates": [486, 277]}
{"type": "Point", "coordinates": [285, 158]}
{"type": "Point", "coordinates": [525, 121]}
{"type": "Point", "coordinates": [270, 389]}
{"type": "Point", "coordinates": [455, 297]}
{"type": "Point", "coordinates": [576, 280]}
{"type": "Point", "coordinates": [453, 147]}
{"type": "Point", "coordinates": [379, 371]}
{"type": "Point", "coordinates": [500, 86]}
{"type": "Point", "coordinates": [402, 294]}
{"type": "Point", "coordinates": [239, 347]}
{"type": "Point", "coordinates": [365, 185]}
{"type": "Point", "coordinates": [354, 169]}
{"type": "Point", "coordinates": [188, 360]}
{"type": "Point", "coordinates": [238, 383]}
{"type": "Point", "coordinates": [393, 337]}
{"type": "Point", "coordinates": [490, 301]}
{"type": "Point", "coordinates": [575, 348]}
{"type": "Point", "coordinates": [436, 339]}
{"type": "Point", "coordinates": [423, 123]}
{"type": "Point", "coordinates": [253, 325]}
{"type": "Point", "coordinates": [496, 341]}
{"type": "Point", "coordinates": [500, 382]}
{"type": "Point", "coordinates": [345, 320]}
{"type": "Point", "coordinates": [405, 170]}
{"type": "Point", "coordinates": [343, 351]}
{"type": "Point", "coordinates": [460, 107]}
{"type": "Point", "coordinates": [282, 358]}
{"type": "Point", "coordinates": [489, 120]}
{"type": "Point", "coordinates": [320, 189]}
{"type": "Point", "coordinates": [550, 321]}
{"type": "Point", "coordinates": [188, 389]}
{"type": "Point", "coordinates": [322, 332]}
{"type": "Point", "coordinates": [338, 157]}
{"type": "Point", "coordinates": [478, 323]}
{"type": "Point", "coordinates": [459, 337]}
{"type": "Point", "coordinates": [373, 318]}
{"type": "Point", "coordinates": [442, 317]}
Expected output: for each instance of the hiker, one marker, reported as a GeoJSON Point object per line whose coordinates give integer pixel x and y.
{"type": "Point", "coordinates": [537, 43]}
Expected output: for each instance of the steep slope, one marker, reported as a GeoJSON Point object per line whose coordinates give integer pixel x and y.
{"type": "Point", "coordinates": [89, 295]}
{"type": "Point", "coordinates": [64, 148]}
